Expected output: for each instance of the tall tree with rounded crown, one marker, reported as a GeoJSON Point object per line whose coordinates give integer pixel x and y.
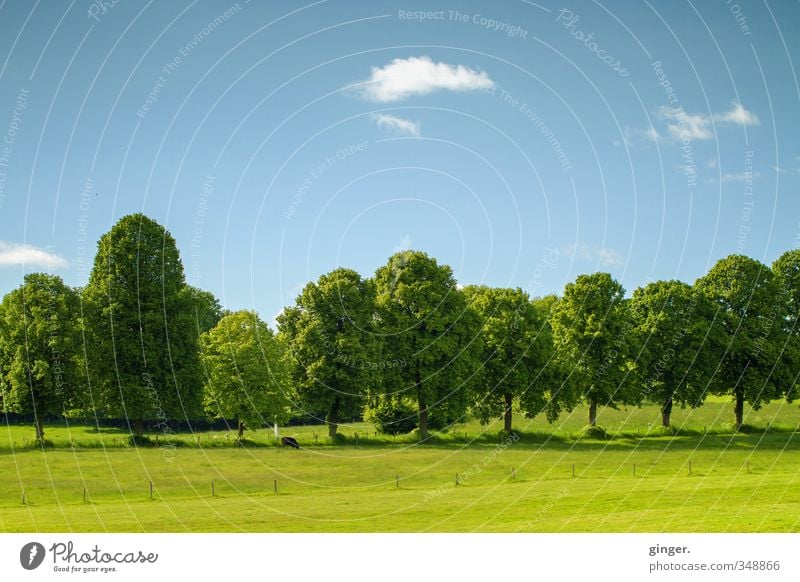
{"type": "Point", "coordinates": [426, 323]}
{"type": "Point", "coordinates": [143, 345]}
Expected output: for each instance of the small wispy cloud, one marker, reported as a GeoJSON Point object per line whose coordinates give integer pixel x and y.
{"type": "Point", "coordinates": [737, 114]}
{"type": "Point", "coordinates": [396, 124]}
{"type": "Point", "coordinates": [633, 137]}
{"type": "Point", "coordinates": [605, 256]}
{"type": "Point", "coordinates": [734, 177]}
{"type": "Point", "coordinates": [13, 254]}
{"type": "Point", "coordinates": [779, 170]}
{"type": "Point", "coordinates": [682, 126]}
{"type": "Point", "coordinates": [403, 78]}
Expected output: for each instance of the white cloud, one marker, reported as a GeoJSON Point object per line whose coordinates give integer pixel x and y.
{"type": "Point", "coordinates": [395, 124]}
{"type": "Point", "coordinates": [403, 78]}
{"type": "Point", "coordinates": [685, 126]}
{"type": "Point", "coordinates": [737, 177]}
{"type": "Point", "coordinates": [604, 256]}
{"type": "Point", "coordinates": [737, 114]}
{"type": "Point", "coordinates": [779, 170]}
{"type": "Point", "coordinates": [29, 256]}
{"type": "Point", "coordinates": [633, 137]}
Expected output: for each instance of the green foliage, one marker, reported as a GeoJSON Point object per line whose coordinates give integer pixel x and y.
{"type": "Point", "coordinates": [335, 354]}
{"type": "Point", "coordinates": [247, 372]}
{"type": "Point", "coordinates": [40, 367]}
{"type": "Point", "coordinates": [392, 415]}
{"type": "Point", "coordinates": [206, 308]}
{"type": "Point", "coordinates": [428, 325]}
{"type": "Point", "coordinates": [517, 347]}
{"type": "Point", "coordinates": [591, 326]}
{"type": "Point", "coordinates": [752, 312]}
{"type": "Point", "coordinates": [679, 342]}
{"type": "Point", "coordinates": [787, 277]}
{"type": "Point", "coordinates": [141, 327]}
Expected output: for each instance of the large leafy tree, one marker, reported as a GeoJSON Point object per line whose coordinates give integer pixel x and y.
{"type": "Point", "coordinates": [590, 329]}
{"type": "Point", "coordinates": [787, 276]}
{"type": "Point", "coordinates": [428, 326]}
{"type": "Point", "coordinates": [679, 340]}
{"type": "Point", "coordinates": [40, 365]}
{"type": "Point", "coordinates": [561, 390]}
{"type": "Point", "coordinates": [517, 348]}
{"type": "Point", "coordinates": [335, 356]}
{"type": "Point", "coordinates": [141, 327]}
{"type": "Point", "coordinates": [247, 372]}
{"type": "Point", "coordinates": [753, 315]}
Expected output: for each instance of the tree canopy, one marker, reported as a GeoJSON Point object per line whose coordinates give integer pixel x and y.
{"type": "Point", "coordinates": [590, 329]}
{"type": "Point", "coordinates": [427, 324]}
{"type": "Point", "coordinates": [143, 351]}
{"type": "Point", "coordinates": [247, 372]}
{"type": "Point", "coordinates": [679, 342]}
{"type": "Point", "coordinates": [753, 314]}
{"type": "Point", "coordinates": [336, 357]}
{"type": "Point", "coordinates": [40, 349]}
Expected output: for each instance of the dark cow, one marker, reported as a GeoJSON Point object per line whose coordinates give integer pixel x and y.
{"type": "Point", "coordinates": [290, 442]}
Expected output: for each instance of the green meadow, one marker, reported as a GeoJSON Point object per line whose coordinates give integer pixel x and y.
{"type": "Point", "coordinates": [701, 477]}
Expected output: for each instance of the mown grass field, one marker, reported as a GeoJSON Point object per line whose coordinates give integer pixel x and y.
{"type": "Point", "coordinates": [737, 482]}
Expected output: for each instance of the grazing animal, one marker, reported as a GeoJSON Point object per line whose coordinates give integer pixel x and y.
{"type": "Point", "coordinates": [290, 442]}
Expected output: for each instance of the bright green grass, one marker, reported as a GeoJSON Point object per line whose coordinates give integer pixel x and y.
{"type": "Point", "coordinates": [714, 417]}
{"type": "Point", "coordinates": [739, 482]}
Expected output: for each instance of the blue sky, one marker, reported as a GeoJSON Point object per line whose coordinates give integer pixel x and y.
{"type": "Point", "coordinates": [521, 143]}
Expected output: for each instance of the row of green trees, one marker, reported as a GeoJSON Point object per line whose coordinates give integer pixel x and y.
{"type": "Point", "coordinates": [405, 348]}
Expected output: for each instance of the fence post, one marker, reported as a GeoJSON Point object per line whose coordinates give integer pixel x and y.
{"type": "Point", "coordinates": [275, 485]}
{"type": "Point", "coordinates": [151, 489]}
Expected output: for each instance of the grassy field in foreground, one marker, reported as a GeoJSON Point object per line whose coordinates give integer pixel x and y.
{"type": "Point", "coordinates": [742, 482]}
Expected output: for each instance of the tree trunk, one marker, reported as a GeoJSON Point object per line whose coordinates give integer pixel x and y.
{"type": "Point", "coordinates": [592, 411]}
{"type": "Point", "coordinates": [240, 429]}
{"type": "Point", "coordinates": [739, 410]}
{"type": "Point", "coordinates": [423, 407]}
{"type": "Point", "coordinates": [333, 417]}
{"type": "Point", "coordinates": [666, 411]}
{"type": "Point", "coordinates": [138, 427]}
{"type": "Point", "coordinates": [507, 411]}
{"type": "Point", "coordinates": [423, 419]}
{"type": "Point", "coordinates": [39, 426]}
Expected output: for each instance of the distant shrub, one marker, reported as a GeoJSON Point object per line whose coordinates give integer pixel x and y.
{"type": "Point", "coordinates": [595, 432]}
{"type": "Point", "coordinates": [392, 416]}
